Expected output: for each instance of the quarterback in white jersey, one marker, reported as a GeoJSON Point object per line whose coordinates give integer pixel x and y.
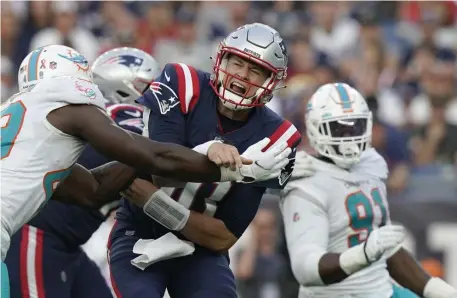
{"type": "Point", "coordinates": [339, 235]}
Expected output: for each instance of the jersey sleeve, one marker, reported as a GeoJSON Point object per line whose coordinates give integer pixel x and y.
{"type": "Point", "coordinates": [285, 132]}
{"type": "Point", "coordinates": [70, 90]}
{"type": "Point", "coordinates": [240, 208]}
{"type": "Point", "coordinates": [167, 102]}
{"type": "Point", "coordinates": [306, 227]}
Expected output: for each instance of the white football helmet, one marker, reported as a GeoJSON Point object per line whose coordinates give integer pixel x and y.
{"type": "Point", "coordinates": [339, 123]}
{"type": "Point", "coordinates": [52, 61]}
{"type": "Point", "coordinates": [123, 74]}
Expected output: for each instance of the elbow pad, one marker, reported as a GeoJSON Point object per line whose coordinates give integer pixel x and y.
{"type": "Point", "coordinates": [305, 267]}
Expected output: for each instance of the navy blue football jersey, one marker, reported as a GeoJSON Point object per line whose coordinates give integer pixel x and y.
{"type": "Point", "coordinates": [74, 225]}
{"type": "Point", "coordinates": [181, 107]}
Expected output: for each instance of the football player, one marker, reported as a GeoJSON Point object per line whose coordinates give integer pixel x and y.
{"type": "Point", "coordinates": [339, 234]}
{"type": "Point", "coordinates": [46, 126]}
{"type": "Point", "coordinates": [45, 257]}
{"type": "Point", "coordinates": [190, 107]}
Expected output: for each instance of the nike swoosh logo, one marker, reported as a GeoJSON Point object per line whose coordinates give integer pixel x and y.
{"type": "Point", "coordinates": [167, 77]}
{"type": "Point", "coordinates": [282, 179]}
{"type": "Point", "coordinates": [135, 114]}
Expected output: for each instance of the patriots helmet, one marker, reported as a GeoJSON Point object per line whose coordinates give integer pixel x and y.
{"type": "Point", "coordinates": [50, 62]}
{"type": "Point", "coordinates": [257, 43]}
{"type": "Point", "coordinates": [124, 74]}
{"type": "Point", "coordinates": [339, 123]}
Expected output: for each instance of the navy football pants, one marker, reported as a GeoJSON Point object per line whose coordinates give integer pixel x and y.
{"type": "Point", "coordinates": [40, 266]}
{"type": "Point", "coordinates": [201, 275]}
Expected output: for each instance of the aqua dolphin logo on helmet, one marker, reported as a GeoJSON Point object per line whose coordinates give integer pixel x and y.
{"type": "Point", "coordinates": [79, 60]}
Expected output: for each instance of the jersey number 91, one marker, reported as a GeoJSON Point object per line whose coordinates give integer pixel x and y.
{"type": "Point", "coordinates": [362, 217]}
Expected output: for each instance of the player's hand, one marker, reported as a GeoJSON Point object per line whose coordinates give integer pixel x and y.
{"type": "Point", "coordinates": [304, 166]}
{"type": "Point", "coordinates": [267, 165]}
{"type": "Point", "coordinates": [227, 156]}
{"type": "Point", "coordinates": [385, 240]}
{"type": "Point", "coordinates": [139, 192]}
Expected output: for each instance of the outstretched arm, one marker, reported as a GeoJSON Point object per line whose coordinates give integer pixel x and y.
{"type": "Point", "coordinates": [409, 274]}
{"type": "Point", "coordinates": [162, 159]}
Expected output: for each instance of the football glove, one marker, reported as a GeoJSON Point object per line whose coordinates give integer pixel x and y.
{"type": "Point", "coordinates": [304, 166]}
{"type": "Point", "coordinates": [267, 165]}
{"type": "Point", "coordinates": [382, 241]}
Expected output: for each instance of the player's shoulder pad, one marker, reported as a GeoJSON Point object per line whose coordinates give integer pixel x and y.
{"type": "Point", "coordinates": [127, 116]}
{"type": "Point", "coordinates": [280, 130]}
{"type": "Point", "coordinates": [372, 164]}
{"type": "Point", "coordinates": [178, 85]}
{"type": "Point", "coordinates": [71, 90]}
{"type": "Point", "coordinates": [309, 188]}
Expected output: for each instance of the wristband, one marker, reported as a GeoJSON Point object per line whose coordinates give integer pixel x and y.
{"type": "Point", "coordinates": [438, 288]}
{"type": "Point", "coordinates": [166, 211]}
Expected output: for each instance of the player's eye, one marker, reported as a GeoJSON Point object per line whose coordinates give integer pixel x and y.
{"type": "Point", "coordinates": [255, 71]}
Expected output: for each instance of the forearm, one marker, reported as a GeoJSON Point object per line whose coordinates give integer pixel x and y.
{"type": "Point", "coordinates": [330, 269]}
{"type": "Point", "coordinates": [208, 232]}
{"type": "Point", "coordinates": [93, 189]}
{"type": "Point", "coordinates": [314, 268]}
{"type": "Point", "coordinates": [161, 159]}
{"type": "Point", "coordinates": [181, 163]}
{"type": "Point", "coordinates": [408, 273]}
{"type": "Point", "coordinates": [77, 188]}
{"type": "Point", "coordinates": [112, 178]}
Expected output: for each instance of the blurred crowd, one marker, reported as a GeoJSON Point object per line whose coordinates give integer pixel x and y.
{"type": "Point", "coordinates": [400, 55]}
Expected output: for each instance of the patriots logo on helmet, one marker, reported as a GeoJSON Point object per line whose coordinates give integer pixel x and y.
{"type": "Point", "coordinates": [165, 96]}
{"type": "Point", "coordinates": [127, 60]}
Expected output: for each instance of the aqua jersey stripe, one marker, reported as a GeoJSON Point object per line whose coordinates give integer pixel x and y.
{"type": "Point", "coordinates": [4, 282]}
{"type": "Point", "coordinates": [344, 96]}
{"type": "Point", "coordinates": [33, 65]}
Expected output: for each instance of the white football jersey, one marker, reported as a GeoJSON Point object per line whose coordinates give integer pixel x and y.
{"type": "Point", "coordinates": [333, 211]}
{"type": "Point", "coordinates": [35, 155]}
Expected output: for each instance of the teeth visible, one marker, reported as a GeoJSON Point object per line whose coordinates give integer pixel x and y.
{"type": "Point", "coordinates": [238, 85]}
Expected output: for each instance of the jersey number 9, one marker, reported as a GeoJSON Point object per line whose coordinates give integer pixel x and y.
{"type": "Point", "coordinates": [12, 118]}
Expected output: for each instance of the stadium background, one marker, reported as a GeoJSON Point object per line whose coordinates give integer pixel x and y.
{"type": "Point", "coordinates": [400, 55]}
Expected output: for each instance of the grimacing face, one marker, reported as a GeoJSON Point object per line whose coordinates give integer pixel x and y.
{"type": "Point", "coordinates": [246, 70]}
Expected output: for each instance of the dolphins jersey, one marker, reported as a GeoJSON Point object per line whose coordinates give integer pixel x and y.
{"type": "Point", "coordinates": [333, 211]}
{"type": "Point", "coordinates": [36, 156]}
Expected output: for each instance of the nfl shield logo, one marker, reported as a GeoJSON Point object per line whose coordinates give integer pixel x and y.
{"type": "Point", "coordinates": [296, 217]}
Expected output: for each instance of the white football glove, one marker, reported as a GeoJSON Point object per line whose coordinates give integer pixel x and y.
{"type": "Point", "coordinates": [385, 241]}
{"type": "Point", "coordinates": [266, 165]}
{"type": "Point", "coordinates": [304, 166]}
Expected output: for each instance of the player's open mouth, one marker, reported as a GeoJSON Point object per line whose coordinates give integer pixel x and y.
{"type": "Point", "coordinates": [237, 88]}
